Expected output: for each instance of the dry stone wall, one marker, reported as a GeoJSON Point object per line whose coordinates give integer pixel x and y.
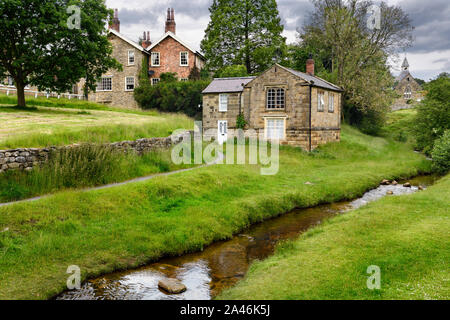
{"type": "Point", "coordinates": [28, 158]}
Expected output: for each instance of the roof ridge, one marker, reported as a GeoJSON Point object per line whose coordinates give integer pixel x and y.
{"type": "Point", "coordinates": [232, 78]}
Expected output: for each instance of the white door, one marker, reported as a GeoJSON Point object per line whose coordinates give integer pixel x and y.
{"type": "Point", "coordinates": [222, 131]}
{"type": "Point", "coordinates": [275, 129]}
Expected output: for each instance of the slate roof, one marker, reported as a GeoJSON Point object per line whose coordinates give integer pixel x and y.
{"type": "Point", "coordinates": [124, 38]}
{"type": "Point", "coordinates": [315, 81]}
{"type": "Point", "coordinates": [221, 85]}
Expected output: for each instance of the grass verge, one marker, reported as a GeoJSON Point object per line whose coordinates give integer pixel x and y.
{"type": "Point", "coordinates": [406, 236]}
{"type": "Point", "coordinates": [130, 225]}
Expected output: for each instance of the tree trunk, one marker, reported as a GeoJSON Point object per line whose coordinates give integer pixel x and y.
{"type": "Point", "coordinates": [20, 93]}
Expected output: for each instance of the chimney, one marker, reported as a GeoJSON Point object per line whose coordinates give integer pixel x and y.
{"type": "Point", "coordinates": [146, 40]}
{"type": "Point", "coordinates": [310, 66]}
{"type": "Point", "coordinates": [170, 22]}
{"type": "Point", "coordinates": [115, 23]}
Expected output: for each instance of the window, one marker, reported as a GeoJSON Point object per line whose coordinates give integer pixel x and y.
{"type": "Point", "coordinates": [155, 59]}
{"type": "Point", "coordinates": [129, 83]}
{"type": "Point", "coordinates": [275, 128]}
{"type": "Point", "coordinates": [184, 79]}
{"type": "Point", "coordinates": [275, 98]}
{"type": "Point", "coordinates": [408, 94]}
{"type": "Point", "coordinates": [331, 102]}
{"type": "Point", "coordinates": [155, 81]}
{"type": "Point", "coordinates": [184, 58]}
{"type": "Point", "coordinates": [130, 57]}
{"type": "Point", "coordinates": [223, 103]}
{"type": "Point", "coordinates": [105, 84]}
{"type": "Point", "coordinates": [320, 101]}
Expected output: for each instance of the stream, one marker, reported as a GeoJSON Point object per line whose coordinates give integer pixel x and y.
{"type": "Point", "coordinates": [222, 264]}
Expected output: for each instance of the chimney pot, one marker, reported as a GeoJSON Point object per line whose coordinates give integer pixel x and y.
{"type": "Point", "coordinates": [170, 22]}
{"type": "Point", "coordinates": [115, 23]}
{"type": "Point", "coordinates": [310, 66]}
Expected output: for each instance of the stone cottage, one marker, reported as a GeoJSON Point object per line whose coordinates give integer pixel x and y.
{"type": "Point", "coordinates": [297, 108]}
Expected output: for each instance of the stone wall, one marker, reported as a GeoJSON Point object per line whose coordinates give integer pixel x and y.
{"type": "Point", "coordinates": [27, 158]}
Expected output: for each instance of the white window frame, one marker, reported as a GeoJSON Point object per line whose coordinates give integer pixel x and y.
{"type": "Point", "coordinates": [184, 79]}
{"type": "Point", "coordinates": [266, 131]}
{"type": "Point", "coordinates": [101, 81]}
{"type": "Point", "coordinates": [155, 81]}
{"type": "Point", "coordinates": [159, 59]}
{"type": "Point", "coordinates": [126, 83]}
{"type": "Point", "coordinates": [320, 101]}
{"type": "Point", "coordinates": [187, 59]}
{"type": "Point", "coordinates": [134, 57]}
{"type": "Point", "coordinates": [223, 105]}
{"type": "Point", "coordinates": [330, 102]}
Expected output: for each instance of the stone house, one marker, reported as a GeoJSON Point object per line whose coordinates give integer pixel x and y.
{"type": "Point", "coordinates": [297, 108]}
{"type": "Point", "coordinates": [407, 88]}
{"type": "Point", "coordinates": [171, 54]}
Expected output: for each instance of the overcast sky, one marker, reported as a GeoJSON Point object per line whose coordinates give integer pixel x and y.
{"type": "Point", "coordinates": [429, 55]}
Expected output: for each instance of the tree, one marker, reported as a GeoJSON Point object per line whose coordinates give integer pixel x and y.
{"type": "Point", "coordinates": [244, 32]}
{"type": "Point", "coordinates": [232, 71]}
{"type": "Point", "coordinates": [357, 54]}
{"type": "Point", "coordinates": [52, 45]}
{"type": "Point", "coordinates": [433, 114]}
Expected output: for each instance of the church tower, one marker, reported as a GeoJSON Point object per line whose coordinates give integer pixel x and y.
{"type": "Point", "coordinates": [405, 65]}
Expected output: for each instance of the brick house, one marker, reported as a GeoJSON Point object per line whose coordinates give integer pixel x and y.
{"type": "Point", "coordinates": [297, 108]}
{"type": "Point", "coordinates": [171, 54]}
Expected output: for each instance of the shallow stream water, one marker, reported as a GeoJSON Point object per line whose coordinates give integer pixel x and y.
{"type": "Point", "coordinates": [222, 264]}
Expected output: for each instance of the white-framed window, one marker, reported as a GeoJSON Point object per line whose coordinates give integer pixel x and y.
{"type": "Point", "coordinates": [330, 102]}
{"type": "Point", "coordinates": [131, 57]}
{"type": "Point", "coordinates": [129, 83]}
{"type": "Point", "coordinates": [223, 102]}
{"type": "Point", "coordinates": [184, 79]}
{"type": "Point", "coordinates": [275, 128]}
{"type": "Point", "coordinates": [155, 81]}
{"type": "Point", "coordinates": [320, 101]}
{"type": "Point", "coordinates": [184, 58]}
{"type": "Point", "coordinates": [275, 98]}
{"type": "Point", "coordinates": [105, 84]}
{"type": "Point", "coordinates": [155, 59]}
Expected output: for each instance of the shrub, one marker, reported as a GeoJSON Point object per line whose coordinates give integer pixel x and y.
{"type": "Point", "coordinates": [240, 121]}
{"type": "Point", "coordinates": [172, 96]}
{"type": "Point", "coordinates": [232, 71]}
{"type": "Point", "coordinates": [441, 154]}
{"type": "Point", "coordinates": [433, 114]}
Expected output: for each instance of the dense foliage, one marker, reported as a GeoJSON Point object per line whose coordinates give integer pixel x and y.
{"type": "Point", "coordinates": [354, 56]}
{"type": "Point", "coordinates": [232, 71]}
{"type": "Point", "coordinates": [43, 45]}
{"type": "Point", "coordinates": [433, 114]}
{"type": "Point", "coordinates": [244, 32]}
{"type": "Point", "coordinates": [441, 154]}
{"type": "Point", "coordinates": [172, 96]}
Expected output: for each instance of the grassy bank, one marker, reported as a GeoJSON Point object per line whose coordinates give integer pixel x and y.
{"type": "Point", "coordinates": [399, 126]}
{"type": "Point", "coordinates": [82, 167]}
{"type": "Point", "coordinates": [127, 226]}
{"type": "Point", "coordinates": [406, 236]}
{"type": "Point", "coordinates": [43, 126]}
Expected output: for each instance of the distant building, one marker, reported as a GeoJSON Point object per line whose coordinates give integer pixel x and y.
{"type": "Point", "coordinates": [171, 54]}
{"type": "Point", "coordinates": [298, 109]}
{"type": "Point", "coordinates": [407, 87]}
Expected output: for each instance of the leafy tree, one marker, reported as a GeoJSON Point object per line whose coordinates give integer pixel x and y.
{"type": "Point", "coordinates": [42, 45]}
{"type": "Point", "coordinates": [232, 71]}
{"type": "Point", "coordinates": [355, 56]}
{"type": "Point", "coordinates": [244, 32]}
{"type": "Point", "coordinates": [168, 77]}
{"type": "Point", "coordinates": [441, 154]}
{"type": "Point", "coordinates": [433, 114]}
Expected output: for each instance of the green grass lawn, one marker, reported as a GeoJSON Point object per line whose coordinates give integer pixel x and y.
{"type": "Point", "coordinates": [127, 226]}
{"type": "Point", "coordinates": [69, 123]}
{"type": "Point", "coordinates": [399, 126]}
{"type": "Point", "coordinates": [406, 236]}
